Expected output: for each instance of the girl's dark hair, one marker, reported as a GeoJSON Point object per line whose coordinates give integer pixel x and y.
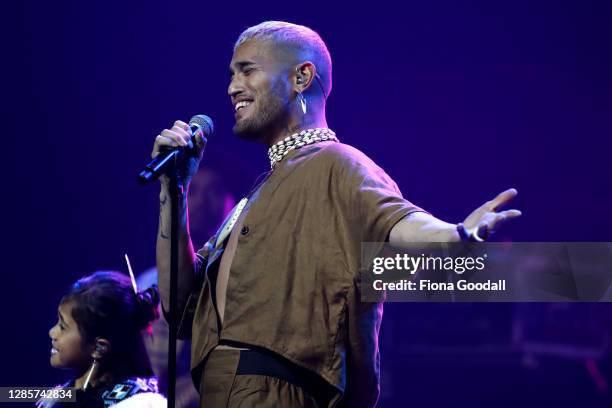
{"type": "Point", "coordinates": [104, 305]}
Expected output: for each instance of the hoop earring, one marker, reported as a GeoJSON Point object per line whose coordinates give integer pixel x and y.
{"type": "Point", "coordinates": [303, 103]}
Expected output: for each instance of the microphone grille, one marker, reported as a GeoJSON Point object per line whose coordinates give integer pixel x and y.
{"type": "Point", "coordinates": [203, 122]}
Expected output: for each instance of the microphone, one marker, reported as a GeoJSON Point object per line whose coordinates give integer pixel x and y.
{"type": "Point", "coordinates": [166, 159]}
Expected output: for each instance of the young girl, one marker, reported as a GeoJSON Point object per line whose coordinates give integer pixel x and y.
{"type": "Point", "coordinates": [98, 336]}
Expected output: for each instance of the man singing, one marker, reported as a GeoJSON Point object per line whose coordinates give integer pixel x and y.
{"type": "Point", "coordinates": [272, 301]}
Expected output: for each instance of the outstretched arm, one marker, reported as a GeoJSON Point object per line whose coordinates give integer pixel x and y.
{"type": "Point", "coordinates": [483, 221]}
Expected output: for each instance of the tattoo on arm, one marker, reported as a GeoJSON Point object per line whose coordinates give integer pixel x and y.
{"type": "Point", "coordinates": [162, 203]}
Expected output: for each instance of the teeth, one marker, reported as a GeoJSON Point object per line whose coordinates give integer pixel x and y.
{"type": "Point", "coordinates": [242, 104]}
{"type": "Point", "coordinates": [53, 351]}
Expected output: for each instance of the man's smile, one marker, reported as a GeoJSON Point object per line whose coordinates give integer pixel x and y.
{"type": "Point", "coordinates": [241, 105]}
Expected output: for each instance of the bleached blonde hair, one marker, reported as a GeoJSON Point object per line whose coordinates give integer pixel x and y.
{"type": "Point", "coordinates": [303, 40]}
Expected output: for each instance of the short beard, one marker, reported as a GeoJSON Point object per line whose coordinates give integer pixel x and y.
{"type": "Point", "coordinates": [272, 113]}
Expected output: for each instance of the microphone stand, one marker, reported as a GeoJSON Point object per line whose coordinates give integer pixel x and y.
{"type": "Point", "coordinates": [176, 192]}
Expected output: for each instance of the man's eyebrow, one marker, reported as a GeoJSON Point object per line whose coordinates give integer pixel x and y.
{"type": "Point", "coordinates": [240, 65]}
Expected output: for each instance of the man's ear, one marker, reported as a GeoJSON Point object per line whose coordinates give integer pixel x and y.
{"type": "Point", "coordinates": [304, 74]}
{"type": "Point", "coordinates": [102, 348]}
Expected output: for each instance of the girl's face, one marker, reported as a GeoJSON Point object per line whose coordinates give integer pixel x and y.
{"type": "Point", "coordinates": [68, 349]}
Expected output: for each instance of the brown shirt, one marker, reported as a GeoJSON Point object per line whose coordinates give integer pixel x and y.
{"type": "Point", "coordinates": [294, 282]}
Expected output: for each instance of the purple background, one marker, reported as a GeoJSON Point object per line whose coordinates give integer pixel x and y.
{"type": "Point", "coordinates": [456, 100]}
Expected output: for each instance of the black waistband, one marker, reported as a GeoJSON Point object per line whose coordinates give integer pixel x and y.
{"type": "Point", "coordinates": [263, 362]}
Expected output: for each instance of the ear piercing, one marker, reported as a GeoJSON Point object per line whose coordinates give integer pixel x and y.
{"type": "Point", "coordinates": [91, 370]}
{"type": "Point", "coordinates": [302, 102]}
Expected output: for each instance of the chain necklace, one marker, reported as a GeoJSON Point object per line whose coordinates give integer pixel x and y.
{"type": "Point", "coordinates": [298, 140]}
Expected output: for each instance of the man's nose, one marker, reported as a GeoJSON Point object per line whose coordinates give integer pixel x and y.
{"type": "Point", "coordinates": [234, 88]}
